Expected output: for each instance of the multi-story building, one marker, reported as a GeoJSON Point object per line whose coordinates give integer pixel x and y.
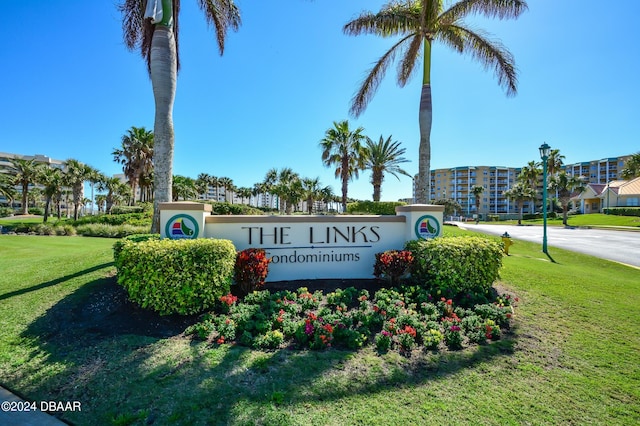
{"type": "Point", "coordinates": [598, 171]}
{"type": "Point", "coordinates": [457, 184]}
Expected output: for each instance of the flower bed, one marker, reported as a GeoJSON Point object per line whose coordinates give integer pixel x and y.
{"type": "Point", "coordinates": [400, 319]}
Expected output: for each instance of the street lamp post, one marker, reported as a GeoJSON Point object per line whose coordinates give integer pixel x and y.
{"type": "Point", "coordinates": [545, 150]}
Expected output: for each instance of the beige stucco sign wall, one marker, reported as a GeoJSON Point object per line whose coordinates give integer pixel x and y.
{"type": "Point", "coordinates": [307, 247]}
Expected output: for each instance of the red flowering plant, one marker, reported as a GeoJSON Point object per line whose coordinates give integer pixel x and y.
{"type": "Point", "coordinates": [228, 300]}
{"type": "Point", "coordinates": [392, 264]}
{"type": "Point", "coordinates": [251, 269]}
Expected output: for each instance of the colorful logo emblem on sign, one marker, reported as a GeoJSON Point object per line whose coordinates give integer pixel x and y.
{"type": "Point", "coordinates": [181, 226]}
{"type": "Point", "coordinates": [427, 227]}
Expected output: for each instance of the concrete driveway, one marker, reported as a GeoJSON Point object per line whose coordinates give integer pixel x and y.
{"type": "Point", "coordinates": [619, 246]}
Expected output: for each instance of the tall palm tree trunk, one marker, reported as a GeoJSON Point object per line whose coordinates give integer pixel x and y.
{"type": "Point", "coordinates": [163, 79]}
{"type": "Point", "coordinates": [25, 198]}
{"type": "Point", "coordinates": [345, 182]}
{"type": "Point", "coordinates": [425, 118]}
{"type": "Point", "coordinates": [377, 184]}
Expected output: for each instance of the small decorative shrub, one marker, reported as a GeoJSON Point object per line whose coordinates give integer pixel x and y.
{"type": "Point", "coordinates": [432, 339]}
{"type": "Point", "coordinates": [456, 265]}
{"type": "Point", "coordinates": [6, 211]}
{"type": "Point", "coordinates": [251, 269]}
{"type": "Point", "coordinates": [452, 333]}
{"type": "Point", "coordinates": [383, 341]}
{"type": "Point", "coordinates": [392, 264]}
{"type": "Point", "coordinates": [176, 276]}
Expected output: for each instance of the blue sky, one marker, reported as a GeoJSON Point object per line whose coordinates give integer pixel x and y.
{"type": "Point", "coordinates": [70, 88]}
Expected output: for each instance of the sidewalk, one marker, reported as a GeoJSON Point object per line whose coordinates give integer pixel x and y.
{"type": "Point", "coordinates": [23, 418]}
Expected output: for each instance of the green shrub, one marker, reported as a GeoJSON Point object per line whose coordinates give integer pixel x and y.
{"type": "Point", "coordinates": [623, 211]}
{"type": "Point", "coordinates": [135, 219]}
{"type": "Point", "coordinates": [110, 231]}
{"type": "Point", "coordinates": [6, 211]}
{"type": "Point", "coordinates": [176, 276]}
{"type": "Point", "coordinates": [127, 209]}
{"type": "Point", "coordinates": [456, 265]}
{"type": "Point", "coordinates": [36, 211]}
{"type": "Point", "coordinates": [374, 207]}
{"type": "Point", "coordinates": [234, 209]}
{"type": "Point", "coordinates": [134, 238]}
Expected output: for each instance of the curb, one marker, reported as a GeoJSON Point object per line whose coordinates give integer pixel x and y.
{"type": "Point", "coordinates": [21, 417]}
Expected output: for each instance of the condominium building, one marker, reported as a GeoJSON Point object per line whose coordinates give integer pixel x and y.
{"type": "Point", "coordinates": [598, 171]}
{"type": "Point", "coordinates": [457, 184]}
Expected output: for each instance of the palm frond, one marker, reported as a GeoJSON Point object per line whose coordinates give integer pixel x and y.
{"type": "Point", "coordinates": [221, 15]}
{"type": "Point", "coordinates": [370, 84]}
{"type": "Point", "coordinates": [501, 9]}
{"type": "Point", "coordinates": [407, 65]}
{"type": "Point", "coordinates": [393, 19]}
{"type": "Point", "coordinates": [133, 12]}
{"type": "Point", "coordinates": [492, 54]}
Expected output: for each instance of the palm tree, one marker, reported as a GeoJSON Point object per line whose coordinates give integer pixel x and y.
{"type": "Point", "coordinates": [269, 182]}
{"type": "Point", "coordinates": [383, 157]}
{"type": "Point", "coordinates": [631, 168]}
{"type": "Point", "coordinates": [7, 188]}
{"type": "Point", "coordinates": [566, 185]}
{"type": "Point", "coordinates": [287, 186]}
{"type": "Point", "coordinates": [327, 196]}
{"type": "Point", "coordinates": [529, 176]}
{"type": "Point", "coordinates": [152, 27]}
{"type": "Point", "coordinates": [419, 23]}
{"type": "Point", "coordinates": [342, 147]}
{"type": "Point", "coordinates": [183, 187]}
{"type": "Point", "coordinates": [554, 162]}
{"type": "Point", "coordinates": [202, 184]}
{"type": "Point", "coordinates": [477, 191]}
{"type": "Point", "coordinates": [311, 191]}
{"type": "Point", "coordinates": [520, 192]}
{"type": "Point", "coordinates": [116, 190]}
{"type": "Point", "coordinates": [258, 189]}
{"type": "Point", "coordinates": [53, 181]}
{"type": "Point", "coordinates": [244, 193]}
{"type": "Point", "coordinates": [76, 173]}
{"type": "Point", "coordinates": [227, 184]}
{"type": "Point", "coordinates": [135, 155]}
{"type": "Point", "coordinates": [101, 200]}
{"type": "Point", "coordinates": [24, 173]}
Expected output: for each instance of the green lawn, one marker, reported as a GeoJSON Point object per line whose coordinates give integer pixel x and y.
{"type": "Point", "coordinates": [595, 219]}
{"type": "Point", "coordinates": [572, 356]}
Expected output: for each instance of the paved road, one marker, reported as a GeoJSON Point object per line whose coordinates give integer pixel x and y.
{"type": "Point", "coordinates": [620, 246]}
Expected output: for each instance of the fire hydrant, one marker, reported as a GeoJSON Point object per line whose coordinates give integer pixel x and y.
{"type": "Point", "coordinates": [506, 240]}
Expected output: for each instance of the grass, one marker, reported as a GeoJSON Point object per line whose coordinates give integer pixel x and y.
{"type": "Point", "coordinates": [571, 357]}
{"type": "Point", "coordinates": [594, 219]}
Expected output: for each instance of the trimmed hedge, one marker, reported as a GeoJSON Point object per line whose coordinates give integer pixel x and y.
{"type": "Point", "coordinates": [134, 238]}
{"type": "Point", "coordinates": [374, 207]}
{"type": "Point", "coordinates": [456, 265]}
{"type": "Point", "coordinates": [234, 209]}
{"type": "Point", "coordinates": [176, 276]}
{"type": "Point", "coordinates": [135, 219]}
{"type": "Point", "coordinates": [110, 231]}
{"type": "Point", "coordinates": [623, 211]}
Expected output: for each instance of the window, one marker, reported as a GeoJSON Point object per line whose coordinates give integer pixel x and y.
{"type": "Point", "coordinates": [632, 201]}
